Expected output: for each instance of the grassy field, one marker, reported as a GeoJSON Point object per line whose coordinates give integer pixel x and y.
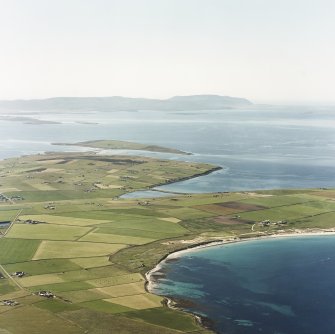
{"type": "Point", "coordinates": [17, 250]}
{"type": "Point", "coordinates": [92, 249]}
{"type": "Point", "coordinates": [47, 232]}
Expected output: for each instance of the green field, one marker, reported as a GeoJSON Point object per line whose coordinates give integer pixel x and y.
{"type": "Point", "coordinates": [17, 250]}
{"type": "Point", "coordinates": [43, 266]}
{"type": "Point", "coordinates": [47, 232]}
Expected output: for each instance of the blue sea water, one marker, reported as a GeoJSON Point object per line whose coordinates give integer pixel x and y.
{"type": "Point", "coordinates": [272, 286]}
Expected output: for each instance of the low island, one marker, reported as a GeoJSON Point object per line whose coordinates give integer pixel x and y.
{"type": "Point", "coordinates": [74, 256]}
{"type": "Point", "coordinates": [124, 145]}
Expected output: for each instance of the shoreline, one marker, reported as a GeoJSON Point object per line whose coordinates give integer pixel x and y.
{"type": "Point", "coordinates": [153, 188]}
{"type": "Point", "coordinates": [204, 322]}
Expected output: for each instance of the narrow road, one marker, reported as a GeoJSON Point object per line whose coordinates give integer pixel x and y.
{"type": "Point", "coordinates": [12, 222]}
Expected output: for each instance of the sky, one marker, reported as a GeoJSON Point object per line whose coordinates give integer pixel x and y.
{"type": "Point", "coordinates": [269, 51]}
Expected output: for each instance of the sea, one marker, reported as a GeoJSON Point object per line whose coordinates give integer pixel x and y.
{"type": "Point", "coordinates": [281, 286]}
{"type": "Point", "coordinates": [272, 286]}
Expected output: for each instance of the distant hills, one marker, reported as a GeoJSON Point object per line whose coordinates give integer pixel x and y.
{"type": "Point", "coordinates": [119, 103]}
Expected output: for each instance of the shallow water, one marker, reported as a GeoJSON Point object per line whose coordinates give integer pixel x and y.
{"type": "Point", "coordinates": [272, 286]}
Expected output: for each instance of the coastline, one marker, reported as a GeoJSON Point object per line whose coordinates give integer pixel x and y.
{"type": "Point", "coordinates": [153, 188]}
{"type": "Point", "coordinates": [201, 320]}
{"type": "Point", "coordinates": [210, 171]}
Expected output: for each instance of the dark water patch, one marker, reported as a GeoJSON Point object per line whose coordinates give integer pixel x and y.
{"type": "Point", "coordinates": [4, 224]}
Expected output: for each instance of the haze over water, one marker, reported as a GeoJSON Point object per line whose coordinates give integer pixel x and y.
{"type": "Point", "coordinates": [258, 148]}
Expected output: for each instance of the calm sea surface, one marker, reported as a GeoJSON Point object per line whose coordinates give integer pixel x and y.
{"type": "Point", "coordinates": [281, 286]}
{"type": "Point", "coordinates": [258, 148]}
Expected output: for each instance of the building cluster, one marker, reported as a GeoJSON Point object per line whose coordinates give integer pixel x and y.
{"type": "Point", "coordinates": [18, 274]}
{"type": "Point", "coordinates": [268, 222]}
{"type": "Point", "coordinates": [46, 294]}
{"type": "Point", "coordinates": [9, 302]}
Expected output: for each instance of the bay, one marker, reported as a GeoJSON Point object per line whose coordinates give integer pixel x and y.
{"type": "Point", "coordinates": [273, 286]}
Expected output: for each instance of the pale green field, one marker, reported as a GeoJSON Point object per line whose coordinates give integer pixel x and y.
{"type": "Point", "coordinates": [47, 232]}
{"type": "Point", "coordinates": [137, 302]}
{"type": "Point", "coordinates": [30, 320]}
{"type": "Point", "coordinates": [92, 273]}
{"type": "Point", "coordinates": [81, 296]}
{"type": "Point", "coordinates": [30, 281]}
{"type": "Point", "coordinates": [116, 280]}
{"type": "Point", "coordinates": [113, 238]}
{"type": "Point", "coordinates": [51, 219]}
{"type": "Point", "coordinates": [68, 249]}
{"type": "Point", "coordinates": [105, 306]}
{"type": "Point", "coordinates": [92, 262]}
{"type": "Point", "coordinates": [123, 289]}
{"type": "Point", "coordinates": [290, 212]}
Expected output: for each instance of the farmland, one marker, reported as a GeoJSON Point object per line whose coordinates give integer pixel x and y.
{"type": "Point", "coordinates": [72, 235]}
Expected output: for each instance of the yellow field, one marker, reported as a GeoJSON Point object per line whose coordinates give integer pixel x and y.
{"type": "Point", "coordinates": [40, 280]}
{"type": "Point", "coordinates": [113, 238]}
{"type": "Point", "coordinates": [138, 302]}
{"type": "Point", "coordinates": [41, 186]}
{"type": "Point", "coordinates": [92, 262]}
{"type": "Point", "coordinates": [123, 289]}
{"type": "Point", "coordinates": [69, 249]}
{"type": "Point", "coordinates": [113, 171]}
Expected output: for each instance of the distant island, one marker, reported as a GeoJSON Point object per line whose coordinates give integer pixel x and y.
{"type": "Point", "coordinates": [119, 103]}
{"type": "Point", "coordinates": [124, 145]}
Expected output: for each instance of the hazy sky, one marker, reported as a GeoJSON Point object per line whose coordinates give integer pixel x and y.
{"type": "Point", "coordinates": [266, 50]}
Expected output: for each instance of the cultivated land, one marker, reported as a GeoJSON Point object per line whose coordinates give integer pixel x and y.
{"type": "Point", "coordinates": [71, 235]}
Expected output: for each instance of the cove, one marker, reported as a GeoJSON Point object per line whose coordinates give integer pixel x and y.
{"type": "Point", "coordinates": [274, 286]}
